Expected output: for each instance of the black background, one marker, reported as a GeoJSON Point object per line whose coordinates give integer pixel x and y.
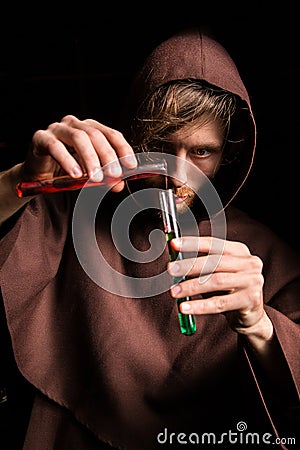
{"type": "Point", "coordinates": [67, 59]}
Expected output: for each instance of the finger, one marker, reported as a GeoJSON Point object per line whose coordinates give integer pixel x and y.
{"type": "Point", "coordinates": [45, 144]}
{"type": "Point", "coordinates": [82, 144]}
{"type": "Point", "coordinates": [117, 141]}
{"type": "Point", "coordinates": [109, 144]}
{"type": "Point", "coordinates": [214, 282]}
{"type": "Point", "coordinates": [200, 265]}
{"type": "Point", "coordinates": [216, 305]}
{"type": "Point", "coordinates": [209, 244]}
{"type": "Point", "coordinates": [204, 265]}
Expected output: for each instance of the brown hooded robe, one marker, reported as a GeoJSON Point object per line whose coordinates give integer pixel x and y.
{"type": "Point", "coordinates": [116, 370]}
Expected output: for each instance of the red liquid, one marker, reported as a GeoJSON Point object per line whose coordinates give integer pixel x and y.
{"type": "Point", "coordinates": [66, 183]}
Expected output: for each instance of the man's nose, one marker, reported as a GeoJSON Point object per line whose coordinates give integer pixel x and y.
{"type": "Point", "coordinates": [178, 172]}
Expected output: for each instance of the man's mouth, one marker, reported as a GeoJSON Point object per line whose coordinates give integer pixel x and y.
{"type": "Point", "coordinates": [181, 198]}
{"type": "Point", "coordinates": [182, 194]}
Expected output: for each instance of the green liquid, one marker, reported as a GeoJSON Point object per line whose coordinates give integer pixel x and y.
{"type": "Point", "coordinates": [187, 322]}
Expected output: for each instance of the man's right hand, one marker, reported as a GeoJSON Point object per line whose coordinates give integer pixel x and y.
{"type": "Point", "coordinates": [76, 147]}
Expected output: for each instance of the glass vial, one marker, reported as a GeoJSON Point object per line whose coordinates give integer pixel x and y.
{"type": "Point", "coordinates": [167, 201]}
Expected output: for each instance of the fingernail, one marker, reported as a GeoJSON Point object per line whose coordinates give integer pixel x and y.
{"type": "Point", "coordinates": [131, 160]}
{"type": "Point", "coordinates": [177, 241]}
{"type": "Point", "coordinates": [115, 169]}
{"type": "Point", "coordinates": [176, 289]}
{"type": "Point", "coordinates": [97, 174]}
{"type": "Point", "coordinates": [185, 306]}
{"type": "Point", "coordinates": [174, 269]}
{"type": "Point", "coordinates": [77, 172]}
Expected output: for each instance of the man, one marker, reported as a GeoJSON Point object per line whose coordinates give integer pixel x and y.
{"type": "Point", "coordinates": [102, 349]}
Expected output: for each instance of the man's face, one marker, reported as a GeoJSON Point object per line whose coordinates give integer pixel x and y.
{"type": "Point", "coordinates": [190, 148]}
{"type": "Point", "coordinates": [193, 147]}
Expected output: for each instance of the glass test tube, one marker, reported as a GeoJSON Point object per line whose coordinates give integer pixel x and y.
{"type": "Point", "coordinates": [187, 322]}
{"type": "Point", "coordinates": [66, 183]}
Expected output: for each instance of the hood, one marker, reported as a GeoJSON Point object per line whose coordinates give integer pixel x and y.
{"type": "Point", "coordinates": [193, 54]}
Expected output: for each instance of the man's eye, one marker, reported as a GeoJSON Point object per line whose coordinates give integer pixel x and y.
{"type": "Point", "coordinates": [200, 152]}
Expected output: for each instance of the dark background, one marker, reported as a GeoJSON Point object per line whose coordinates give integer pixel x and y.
{"type": "Point", "coordinates": [66, 59]}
